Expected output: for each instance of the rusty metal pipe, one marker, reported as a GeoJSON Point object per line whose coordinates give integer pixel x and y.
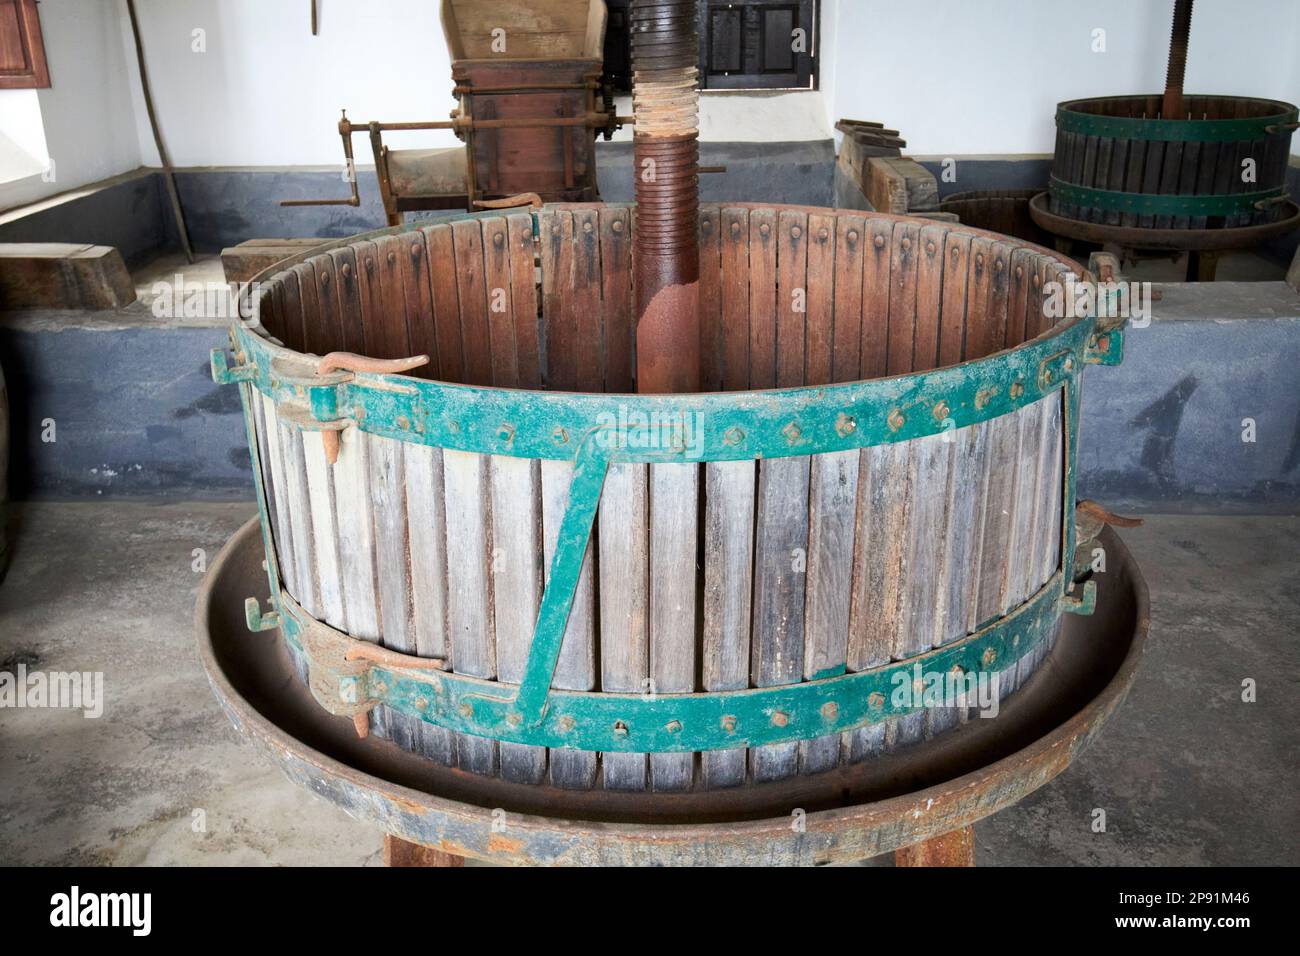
{"type": "Point", "coordinates": [665, 100]}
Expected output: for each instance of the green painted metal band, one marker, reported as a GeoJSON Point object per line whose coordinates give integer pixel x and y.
{"type": "Point", "coordinates": [1161, 204]}
{"type": "Point", "coordinates": [1070, 119]}
{"type": "Point", "coordinates": [731, 426]}
{"type": "Point", "coordinates": [719, 720]}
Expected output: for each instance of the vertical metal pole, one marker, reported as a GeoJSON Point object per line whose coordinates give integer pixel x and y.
{"type": "Point", "coordinates": [665, 99]}
{"type": "Point", "coordinates": [1172, 108]}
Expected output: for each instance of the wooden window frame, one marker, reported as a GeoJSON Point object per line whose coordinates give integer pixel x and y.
{"type": "Point", "coordinates": [36, 75]}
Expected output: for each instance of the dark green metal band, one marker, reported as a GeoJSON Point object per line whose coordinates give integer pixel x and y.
{"type": "Point", "coordinates": [1070, 119]}
{"type": "Point", "coordinates": [668, 723]}
{"type": "Point", "coordinates": [1162, 204]}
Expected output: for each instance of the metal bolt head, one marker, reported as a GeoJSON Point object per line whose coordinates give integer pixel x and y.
{"type": "Point", "coordinates": [780, 718]}
{"type": "Point", "coordinates": [728, 723]}
{"type": "Point", "coordinates": [617, 225]}
{"type": "Point", "coordinates": [830, 710]}
{"type": "Point", "coordinates": [896, 420]}
{"type": "Point", "coordinates": [673, 726]}
{"type": "Point", "coordinates": [466, 710]}
{"type": "Point", "coordinates": [990, 655]}
{"type": "Point", "coordinates": [567, 723]}
{"type": "Point", "coordinates": [421, 703]}
{"type": "Point", "coordinates": [620, 729]}
{"type": "Point", "coordinates": [791, 433]}
{"type": "Point", "coordinates": [1017, 389]}
{"type": "Point", "coordinates": [734, 435]}
{"type": "Point", "coordinates": [845, 425]}
{"type": "Point", "coordinates": [514, 720]}
{"type": "Point", "coordinates": [560, 436]}
{"type": "Point", "coordinates": [941, 410]}
{"type": "Point", "coordinates": [876, 701]}
{"type": "Point", "coordinates": [403, 422]}
{"type": "Point", "coordinates": [506, 433]}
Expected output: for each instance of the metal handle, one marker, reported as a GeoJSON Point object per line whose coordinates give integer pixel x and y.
{"type": "Point", "coordinates": [1282, 127]}
{"type": "Point", "coordinates": [352, 362]}
{"type": "Point", "coordinates": [1272, 201]}
{"type": "Point", "coordinates": [511, 202]}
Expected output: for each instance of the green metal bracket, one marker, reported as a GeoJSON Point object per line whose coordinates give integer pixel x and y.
{"type": "Point", "coordinates": [1163, 204]}
{"type": "Point", "coordinates": [256, 620]}
{"type": "Point", "coordinates": [223, 373]}
{"type": "Point", "coordinates": [1105, 348]}
{"type": "Point", "coordinates": [1083, 603]}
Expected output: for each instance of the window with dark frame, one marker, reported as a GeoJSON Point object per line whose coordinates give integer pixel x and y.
{"type": "Point", "coordinates": [744, 45]}
{"type": "Point", "coordinates": [22, 51]}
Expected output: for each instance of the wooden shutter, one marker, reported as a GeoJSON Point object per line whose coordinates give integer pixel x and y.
{"type": "Point", "coordinates": [750, 45]}
{"type": "Point", "coordinates": [22, 54]}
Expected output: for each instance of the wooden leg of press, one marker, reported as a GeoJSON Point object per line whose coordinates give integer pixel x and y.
{"type": "Point", "coordinates": [398, 852]}
{"type": "Point", "coordinates": [956, 848]}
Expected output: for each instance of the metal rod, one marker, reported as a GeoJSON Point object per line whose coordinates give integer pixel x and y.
{"type": "Point", "coordinates": [169, 175]}
{"type": "Point", "coordinates": [1172, 108]}
{"type": "Point", "coordinates": [665, 99]}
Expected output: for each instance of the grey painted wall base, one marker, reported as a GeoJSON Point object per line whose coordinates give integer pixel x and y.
{"type": "Point", "coordinates": [137, 414]}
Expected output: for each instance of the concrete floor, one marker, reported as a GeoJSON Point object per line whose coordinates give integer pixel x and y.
{"type": "Point", "coordinates": [1187, 773]}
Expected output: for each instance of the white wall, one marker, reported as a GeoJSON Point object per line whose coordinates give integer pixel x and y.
{"type": "Point", "coordinates": [90, 126]}
{"type": "Point", "coordinates": [983, 76]}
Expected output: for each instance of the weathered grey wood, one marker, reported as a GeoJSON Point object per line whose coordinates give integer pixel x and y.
{"type": "Point", "coordinates": [958, 579]}
{"type": "Point", "coordinates": [832, 511]}
{"type": "Point", "coordinates": [516, 563]}
{"type": "Point", "coordinates": [469, 597]}
{"type": "Point", "coordinates": [320, 489]}
{"type": "Point", "coordinates": [674, 491]}
{"type": "Point", "coordinates": [295, 485]}
{"type": "Point", "coordinates": [624, 616]}
{"type": "Point", "coordinates": [426, 520]}
{"type": "Point", "coordinates": [878, 571]}
{"type": "Point", "coordinates": [780, 574]}
{"type": "Point", "coordinates": [576, 667]}
{"type": "Point", "coordinates": [273, 467]}
{"type": "Point", "coordinates": [356, 536]}
{"type": "Point", "coordinates": [728, 577]}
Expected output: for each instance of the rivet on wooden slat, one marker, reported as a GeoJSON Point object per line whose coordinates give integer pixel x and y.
{"type": "Point", "coordinates": [1034, 281]}
{"type": "Point", "coordinates": [907, 243]}
{"type": "Point", "coordinates": [796, 232]}
{"type": "Point", "coordinates": [706, 225]}
{"type": "Point", "coordinates": [997, 265]}
{"type": "Point", "coordinates": [1020, 272]}
{"type": "Point", "coordinates": [392, 257]}
{"type": "Point", "coordinates": [617, 226]}
{"type": "Point", "coordinates": [929, 248]}
{"type": "Point", "coordinates": [498, 239]}
{"type": "Point", "coordinates": [415, 250]}
{"type": "Point", "coordinates": [879, 242]}
{"type": "Point", "coordinates": [555, 229]}
{"type": "Point", "coordinates": [979, 260]}
{"type": "Point", "coordinates": [347, 271]}
{"type": "Point", "coordinates": [370, 262]}
{"type": "Point", "coordinates": [853, 236]}
{"type": "Point", "coordinates": [956, 252]}
{"type": "Point", "coordinates": [823, 234]}
{"type": "Point", "coordinates": [325, 280]}
{"type": "Point", "coordinates": [764, 229]}
{"type": "Point", "coordinates": [586, 226]}
{"type": "Point", "coordinates": [735, 228]}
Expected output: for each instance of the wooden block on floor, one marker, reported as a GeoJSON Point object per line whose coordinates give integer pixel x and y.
{"type": "Point", "coordinates": [247, 259]}
{"type": "Point", "coordinates": [63, 275]}
{"type": "Point", "coordinates": [899, 185]}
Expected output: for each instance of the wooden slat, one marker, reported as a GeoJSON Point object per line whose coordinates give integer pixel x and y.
{"type": "Point", "coordinates": [356, 534]}
{"type": "Point", "coordinates": [348, 285]}
{"type": "Point", "coordinates": [469, 583]}
{"type": "Point", "coordinates": [956, 291]}
{"type": "Point", "coordinates": [792, 295]}
{"type": "Point", "coordinates": [391, 335]}
{"type": "Point", "coordinates": [850, 237]}
{"type": "Point", "coordinates": [902, 297]}
{"type": "Point", "coordinates": [735, 298]}
{"type": "Point", "coordinates": [616, 295]}
{"type": "Point", "coordinates": [624, 620]}
{"type": "Point", "coordinates": [281, 510]}
{"type": "Point", "coordinates": [589, 361]}
{"type": "Point", "coordinates": [831, 515]}
{"type": "Point", "coordinates": [710, 300]}
{"type": "Point", "coordinates": [516, 562]}
{"type": "Point", "coordinates": [471, 290]}
{"type": "Point", "coordinates": [370, 301]}
{"type": "Point", "coordinates": [426, 523]}
{"type": "Point", "coordinates": [299, 507]}
{"type": "Point", "coordinates": [728, 580]}
{"type": "Point", "coordinates": [446, 304]}
{"type": "Point", "coordinates": [320, 488]}
{"type": "Point", "coordinates": [497, 253]}
{"type": "Point", "coordinates": [421, 335]}
{"type": "Point", "coordinates": [674, 492]}
{"type": "Point", "coordinates": [1017, 297]}
{"type": "Point", "coordinates": [558, 319]}
{"type": "Point", "coordinates": [576, 667]}
{"type": "Point", "coordinates": [998, 482]}
{"type": "Point", "coordinates": [762, 298]}
{"type": "Point", "coordinates": [929, 298]}
{"type": "Point", "coordinates": [821, 299]}
{"type": "Point", "coordinates": [392, 568]}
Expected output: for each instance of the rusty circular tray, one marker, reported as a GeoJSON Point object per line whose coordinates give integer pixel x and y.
{"type": "Point", "coordinates": [1179, 240]}
{"type": "Point", "coordinates": [846, 814]}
